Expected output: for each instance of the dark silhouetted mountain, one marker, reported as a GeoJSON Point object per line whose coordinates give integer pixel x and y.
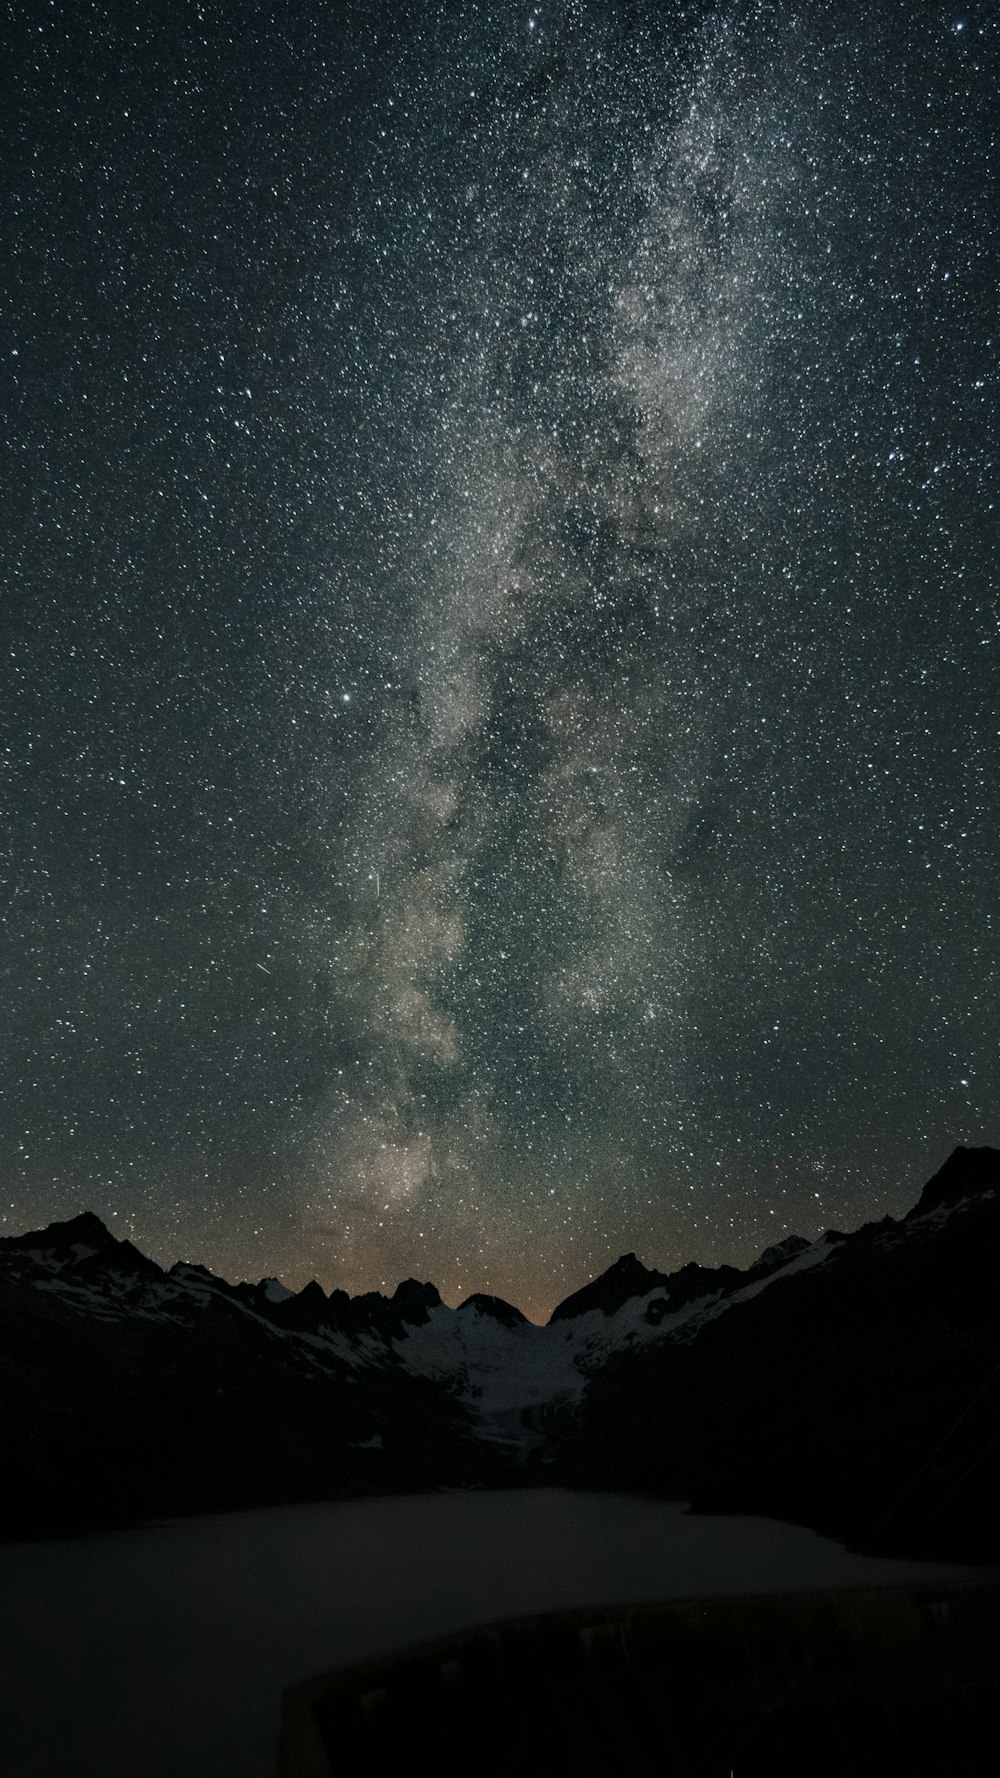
{"type": "Point", "coordinates": [413, 1301]}
{"type": "Point", "coordinates": [85, 1230]}
{"type": "Point", "coordinates": [118, 1406]}
{"type": "Point", "coordinates": [273, 1291]}
{"type": "Point", "coordinates": [308, 1310]}
{"type": "Point", "coordinates": [628, 1277]}
{"type": "Point", "coordinates": [858, 1391]}
{"type": "Point", "coordinates": [83, 1241]}
{"type": "Point", "coordinates": [495, 1307]}
{"type": "Point", "coordinates": [967, 1173]}
{"type": "Point", "coordinates": [409, 1306]}
{"type": "Point", "coordinates": [851, 1383]}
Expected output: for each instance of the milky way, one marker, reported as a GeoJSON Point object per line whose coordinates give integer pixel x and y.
{"type": "Point", "coordinates": [500, 640]}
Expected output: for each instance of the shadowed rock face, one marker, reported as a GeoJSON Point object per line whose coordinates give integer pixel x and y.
{"type": "Point", "coordinates": [308, 1310]}
{"type": "Point", "coordinates": [495, 1307]}
{"type": "Point", "coordinates": [84, 1230]}
{"type": "Point", "coordinates": [413, 1301]}
{"type": "Point", "coordinates": [778, 1255]}
{"type": "Point", "coordinates": [860, 1395]}
{"type": "Point", "coordinates": [82, 1241]}
{"type": "Point", "coordinates": [628, 1277]}
{"type": "Point", "coordinates": [967, 1173]}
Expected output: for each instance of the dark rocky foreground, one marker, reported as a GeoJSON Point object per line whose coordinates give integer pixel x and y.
{"type": "Point", "coordinates": [859, 1685]}
{"type": "Point", "coordinates": [853, 1386]}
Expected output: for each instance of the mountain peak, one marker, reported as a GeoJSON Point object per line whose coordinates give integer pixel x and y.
{"type": "Point", "coordinates": [627, 1277]}
{"type": "Point", "coordinates": [306, 1309]}
{"type": "Point", "coordinates": [496, 1307]}
{"type": "Point", "coordinates": [84, 1230]}
{"type": "Point", "coordinates": [189, 1268]}
{"type": "Point", "coordinates": [967, 1173]}
{"type": "Point", "coordinates": [87, 1226]}
{"type": "Point", "coordinates": [81, 1243]}
{"type": "Point", "coordinates": [413, 1301]}
{"type": "Point", "coordinates": [274, 1290]}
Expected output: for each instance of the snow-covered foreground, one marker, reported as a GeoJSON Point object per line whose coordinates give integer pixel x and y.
{"type": "Point", "coordinates": [163, 1653]}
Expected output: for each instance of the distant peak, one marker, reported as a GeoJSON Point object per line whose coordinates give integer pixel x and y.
{"type": "Point", "coordinates": [305, 1309]}
{"type": "Point", "coordinates": [496, 1307]}
{"type": "Point", "coordinates": [82, 1240]}
{"type": "Point", "coordinates": [85, 1228]}
{"type": "Point", "coordinates": [773, 1258]}
{"type": "Point", "coordinates": [413, 1301]}
{"type": "Point", "coordinates": [626, 1278]}
{"type": "Point", "coordinates": [274, 1290]}
{"type": "Point", "coordinates": [310, 1293]}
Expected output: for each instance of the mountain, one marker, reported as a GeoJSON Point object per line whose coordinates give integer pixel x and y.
{"type": "Point", "coordinates": [82, 1247]}
{"type": "Point", "coordinates": [857, 1390]}
{"type": "Point", "coordinates": [968, 1174]}
{"type": "Point", "coordinates": [851, 1383]}
{"type": "Point", "coordinates": [627, 1278]}
{"type": "Point", "coordinates": [127, 1392]}
{"type": "Point", "coordinates": [495, 1307]}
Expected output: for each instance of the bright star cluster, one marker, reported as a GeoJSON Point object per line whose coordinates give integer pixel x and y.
{"type": "Point", "coordinates": [500, 631]}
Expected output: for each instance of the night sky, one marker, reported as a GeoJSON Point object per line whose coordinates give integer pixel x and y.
{"type": "Point", "coordinates": [499, 635]}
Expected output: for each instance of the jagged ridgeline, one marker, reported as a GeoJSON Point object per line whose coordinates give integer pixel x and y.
{"type": "Point", "coordinates": [850, 1383]}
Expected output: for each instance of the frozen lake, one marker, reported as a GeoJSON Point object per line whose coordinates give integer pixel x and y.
{"type": "Point", "coordinates": [163, 1653]}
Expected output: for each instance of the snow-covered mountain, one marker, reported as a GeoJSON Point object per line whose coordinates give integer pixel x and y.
{"type": "Point", "coordinates": [506, 1371]}
{"type": "Point", "coordinates": [128, 1389]}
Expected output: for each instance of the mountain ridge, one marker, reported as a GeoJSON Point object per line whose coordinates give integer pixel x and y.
{"type": "Point", "coordinates": [966, 1172]}
{"type": "Point", "coordinates": [625, 1277]}
{"type": "Point", "coordinates": [802, 1386]}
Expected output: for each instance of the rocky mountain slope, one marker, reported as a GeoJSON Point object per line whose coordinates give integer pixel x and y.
{"type": "Point", "coordinates": [858, 1393]}
{"type": "Point", "coordinates": [821, 1384]}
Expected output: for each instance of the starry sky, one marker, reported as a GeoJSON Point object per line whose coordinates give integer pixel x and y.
{"type": "Point", "coordinates": [499, 635]}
